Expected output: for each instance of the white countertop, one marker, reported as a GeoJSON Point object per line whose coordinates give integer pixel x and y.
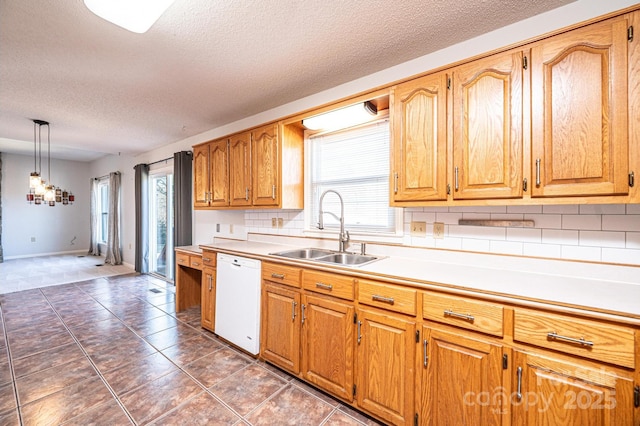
{"type": "Point", "coordinates": [602, 288]}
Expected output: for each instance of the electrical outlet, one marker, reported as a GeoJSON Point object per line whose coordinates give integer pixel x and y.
{"type": "Point", "coordinates": [274, 222]}
{"type": "Point", "coordinates": [280, 222]}
{"type": "Point", "coordinates": [438, 230]}
{"type": "Point", "coordinates": [419, 229]}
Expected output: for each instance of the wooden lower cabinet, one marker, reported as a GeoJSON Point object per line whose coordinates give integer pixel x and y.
{"type": "Point", "coordinates": [280, 337]}
{"type": "Point", "coordinates": [327, 344]}
{"type": "Point", "coordinates": [461, 379]}
{"type": "Point", "coordinates": [386, 348]}
{"type": "Point", "coordinates": [548, 391]}
{"type": "Point", "coordinates": [208, 298]}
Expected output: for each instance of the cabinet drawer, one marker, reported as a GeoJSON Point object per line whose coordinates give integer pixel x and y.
{"type": "Point", "coordinates": [182, 259]}
{"type": "Point", "coordinates": [464, 312]}
{"type": "Point", "coordinates": [387, 296]}
{"type": "Point", "coordinates": [195, 262]}
{"type": "Point", "coordinates": [209, 258]}
{"type": "Point", "coordinates": [326, 283]}
{"type": "Point", "coordinates": [282, 274]}
{"type": "Point", "coordinates": [587, 338]}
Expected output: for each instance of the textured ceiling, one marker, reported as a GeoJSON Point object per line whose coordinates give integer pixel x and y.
{"type": "Point", "coordinates": [206, 63]}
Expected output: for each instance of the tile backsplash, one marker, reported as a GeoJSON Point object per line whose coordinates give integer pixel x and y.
{"type": "Point", "coordinates": [607, 233]}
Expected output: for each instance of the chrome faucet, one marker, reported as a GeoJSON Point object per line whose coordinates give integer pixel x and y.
{"type": "Point", "coordinates": [343, 237]}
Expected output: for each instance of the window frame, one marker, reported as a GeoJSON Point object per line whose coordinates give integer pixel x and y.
{"type": "Point", "coordinates": [103, 211]}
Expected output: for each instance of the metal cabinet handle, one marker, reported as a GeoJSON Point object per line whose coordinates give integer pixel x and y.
{"type": "Point", "coordinates": [195, 264]}
{"type": "Point", "coordinates": [293, 310]}
{"type": "Point", "coordinates": [538, 172]}
{"type": "Point", "coordinates": [450, 313]}
{"type": "Point", "coordinates": [324, 286]}
{"type": "Point", "coordinates": [303, 317]}
{"type": "Point", "coordinates": [246, 194]}
{"type": "Point", "coordinates": [395, 183]}
{"type": "Point", "coordinates": [456, 182]}
{"type": "Point", "coordinates": [519, 390]}
{"type": "Point", "coordinates": [425, 358]}
{"type": "Point", "coordinates": [210, 282]}
{"type": "Point", "coordinates": [359, 331]}
{"type": "Point", "coordinates": [181, 260]}
{"type": "Point", "coordinates": [206, 259]}
{"type": "Point", "coordinates": [278, 276]}
{"type": "Point", "coordinates": [555, 336]}
{"type": "Point", "coordinates": [378, 298]}
{"type": "Point", "coordinates": [273, 192]}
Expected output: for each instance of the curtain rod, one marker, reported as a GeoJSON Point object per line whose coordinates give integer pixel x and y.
{"type": "Point", "coordinates": [104, 177]}
{"type": "Point", "coordinates": [165, 159]}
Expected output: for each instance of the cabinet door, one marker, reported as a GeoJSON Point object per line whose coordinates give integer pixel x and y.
{"type": "Point", "coordinates": [201, 176]}
{"type": "Point", "coordinates": [386, 348]}
{"type": "Point", "coordinates": [219, 172]}
{"type": "Point", "coordinates": [487, 128]}
{"type": "Point", "coordinates": [266, 166]}
{"type": "Point", "coordinates": [208, 298]}
{"type": "Point", "coordinates": [280, 338]}
{"type": "Point", "coordinates": [579, 116]}
{"type": "Point", "coordinates": [420, 139]}
{"type": "Point", "coordinates": [461, 380]}
{"type": "Point", "coordinates": [548, 391]}
{"type": "Point", "coordinates": [240, 169]}
{"type": "Point", "coordinates": [327, 345]}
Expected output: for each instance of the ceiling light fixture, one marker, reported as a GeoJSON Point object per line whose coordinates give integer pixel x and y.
{"type": "Point", "coordinates": [342, 118]}
{"type": "Point", "coordinates": [134, 15]}
{"type": "Point", "coordinates": [39, 190]}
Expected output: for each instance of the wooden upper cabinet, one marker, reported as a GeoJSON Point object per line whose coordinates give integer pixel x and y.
{"type": "Point", "coordinates": [266, 166]}
{"type": "Point", "coordinates": [487, 128]}
{"type": "Point", "coordinates": [579, 116]}
{"type": "Point", "coordinates": [420, 140]}
{"type": "Point", "coordinates": [201, 175]}
{"type": "Point", "coordinates": [240, 169]}
{"type": "Point", "coordinates": [219, 172]}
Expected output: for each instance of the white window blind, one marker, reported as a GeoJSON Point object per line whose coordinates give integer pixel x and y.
{"type": "Point", "coordinates": [355, 163]}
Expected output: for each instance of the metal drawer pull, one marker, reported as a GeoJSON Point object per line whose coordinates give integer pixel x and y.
{"type": "Point", "coordinates": [181, 260]}
{"type": "Point", "coordinates": [449, 312]}
{"type": "Point", "coordinates": [195, 264]}
{"type": "Point", "coordinates": [303, 317]}
{"type": "Point", "coordinates": [538, 181]}
{"type": "Point", "coordinates": [456, 183]}
{"type": "Point", "coordinates": [324, 286]}
{"type": "Point", "coordinates": [293, 311]}
{"type": "Point", "coordinates": [519, 390]}
{"type": "Point", "coordinates": [580, 341]}
{"type": "Point", "coordinates": [206, 259]}
{"type": "Point", "coordinates": [279, 276]}
{"type": "Point", "coordinates": [359, 331]}
{"type": "Point", "coordinates": [425, 360]}
{"type": "Point", "coordinates": [210, 282]}
{"type": "Point", "coordinates": [388, 300]}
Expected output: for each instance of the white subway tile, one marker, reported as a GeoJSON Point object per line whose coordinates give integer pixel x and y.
{"type": "Point", "coordinates": [487, 232]}
{"type": "Point", "coordinates": [561, 209]}
{"type": "Point", "coordinates": [423, 217]}
{"type": "Point", "coordinates": [633, 240]}
{"type": "Point", "coordinates": [478, 209]}
{"type": "Point", "coordinates": [633, 208]}
{"type": "Point", "coordinates": [525, 235]}
{"type": "Point", "coordinates": [625, 256]}
{"type": "Point", "coordinates": [506, 247]}
{"type": "Point", "coordinates": [542, 250]}
{"type": "Point", "coordinates": [524, 209]}
{"type": "Point", "coordinates": [472, 244]}
{"type": "Point", "coordinates": [450, 243]}
{"type": "Point", "coordinates": [506, 216]}
{"type": "Point", "coordinates": [581, 253]}
{"type": "Point", "coordinates": [602, 209]}
{"type": "Point", "coordinates": [591, 222]}
{"type": "Point", "coordinates": [630, 222]}
{"type": "Point", "coordinates": [602, 239]}
{"type": "Point", "coordinates": [448, 218]}
{"type": "Point", "coordinates": [545, 221]}
{"type": "Point", "coordinates": [562, 237]}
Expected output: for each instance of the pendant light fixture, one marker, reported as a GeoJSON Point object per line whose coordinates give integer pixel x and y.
{"type": "Point", "coordinates": [39, 190]}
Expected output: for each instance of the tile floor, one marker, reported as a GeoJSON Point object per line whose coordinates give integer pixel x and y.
{"type": "Point", "coordinates": [112, 351]}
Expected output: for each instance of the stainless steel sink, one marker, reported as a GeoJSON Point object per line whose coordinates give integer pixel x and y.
{"type": "Point", "coordinates": [327, 256]}
{"type": "Point", "coordinates": [305, 253]}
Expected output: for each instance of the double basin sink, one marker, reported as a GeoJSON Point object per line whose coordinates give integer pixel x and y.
{"type": "Point", "coordinates": [328, 256]}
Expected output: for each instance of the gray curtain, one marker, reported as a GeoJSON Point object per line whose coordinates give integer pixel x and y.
{"type": "Point", "coordinates": [142, 217]}
{"type": "Point", "coordinates": [94, 222]}
{"type": "Point", "coordinates": [114, 251]}
{"type": "Point", "coordinates": [182, 198]}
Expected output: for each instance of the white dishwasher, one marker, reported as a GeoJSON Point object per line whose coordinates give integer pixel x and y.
{"type": "Point", "coordinates": [238, 301]}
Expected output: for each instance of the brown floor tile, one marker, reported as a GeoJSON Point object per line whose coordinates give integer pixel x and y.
{"type": "Point", "coordinates": [248, 388]}
{"type": "Point", "coordinates": [338, 418]}
{"type": "Point", "coordinates": [159, 396]}
{"type": "Point", "coordinates": [7, 398]}
{"type": "Point", "coordinates": [189, 315]}
{"type": "Point", "coordinates": [138, 372]}
{"type": "Point", "coordinates": [201, 410]}
{"type": "Point", "coordinates": [52, 358]}
{"type": "Point", "coordinates": [15, 323]}
{"type": "Point", "coordinates": [10, 418]}
{"type": "Point", "coordinates": [187, 351]}
{"type": "Point", "coordinates": [109, 413]}
{"type": "Point", "coordinates": [35, 332]}
{"type": "Point", "coordinates": [22, 348]}
{"type": "Point", "coordinates": [171, 336]}
{"type": "Point", "coordinates": [366, 420]}
{"type": "Point", "coordinates": [118, 356]}
{"type": "Point", "coordinates": [217, 366]}
{"type": "Point", "coordinates": [291, 406]}
{"type": "Point", "coordinates": [45, 382]}
{"type": "Point", "coordinates": [154, 325]}
{"type": "Point", "coordinates": [67, 403]}
{"type": "Point", "coordinates": [5, 370]}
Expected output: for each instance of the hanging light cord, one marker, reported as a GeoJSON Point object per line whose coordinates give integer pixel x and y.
{"type": "Point", "coordinates": [49, 150]}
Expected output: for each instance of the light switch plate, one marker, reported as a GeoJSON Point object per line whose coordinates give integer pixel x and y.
{"type": "Point", "coordinates": [419, 229]}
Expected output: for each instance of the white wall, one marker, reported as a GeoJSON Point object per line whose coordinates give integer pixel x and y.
{"type": "Point", "coordinates": [205, 221]}
{"type": "Point", "coordinates": [58, 229]}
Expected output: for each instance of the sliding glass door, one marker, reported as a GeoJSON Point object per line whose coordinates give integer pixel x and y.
{"type": "Point", "coordinates": [161, 223]}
